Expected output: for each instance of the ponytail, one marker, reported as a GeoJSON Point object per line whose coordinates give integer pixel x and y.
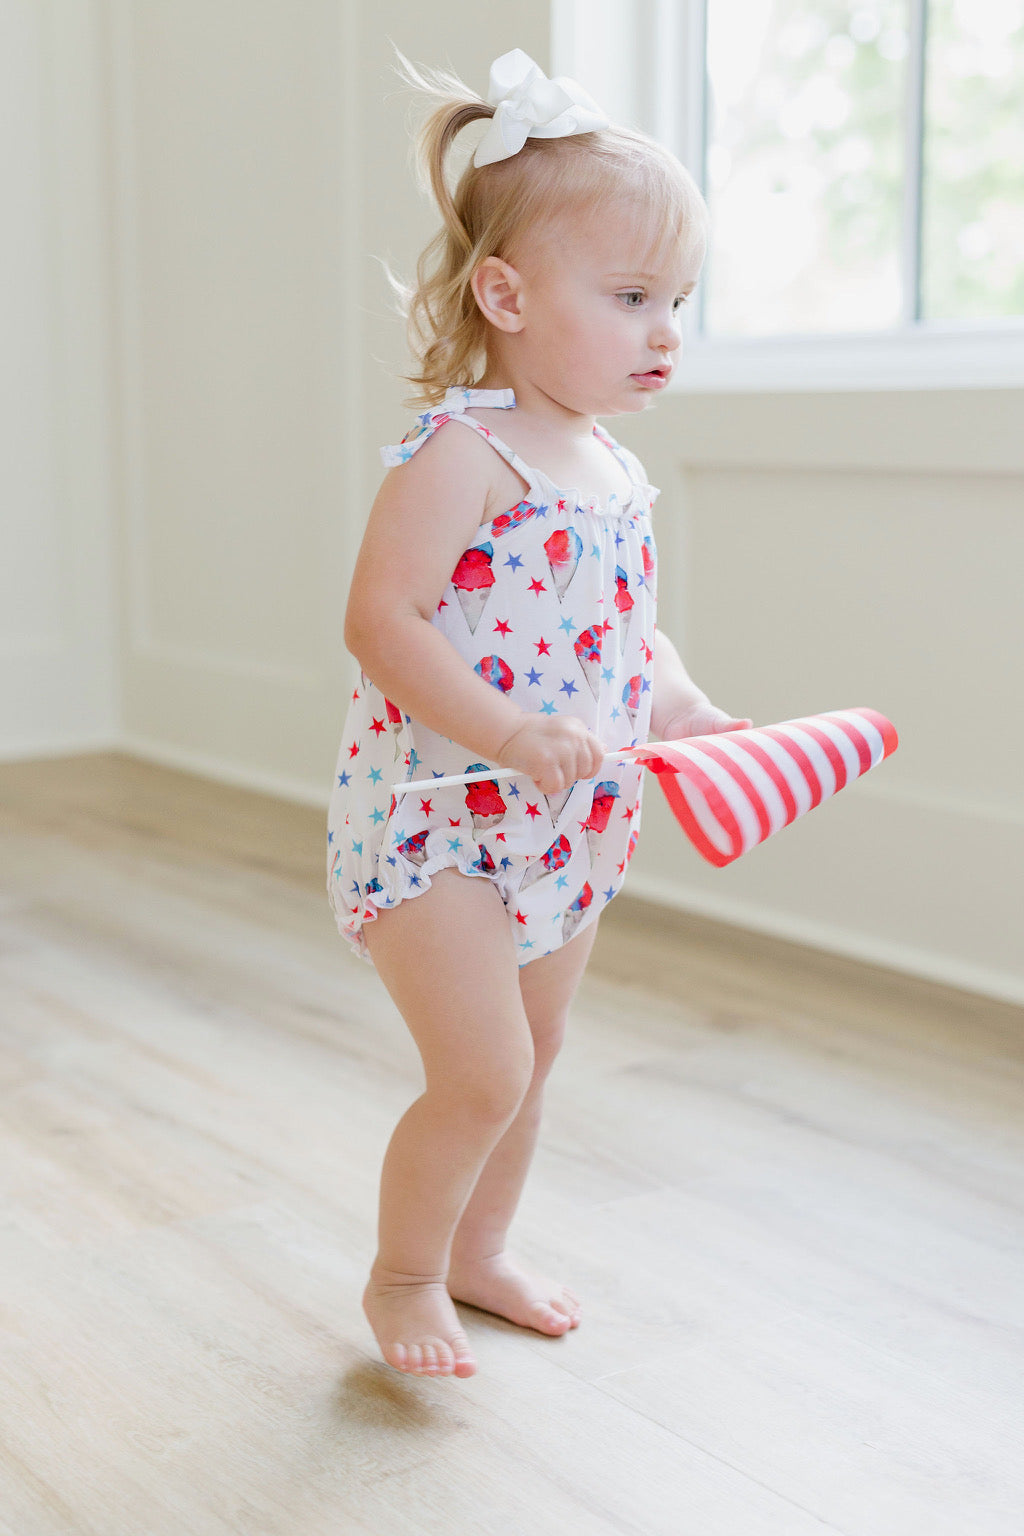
{"type": "Point", "coordinates": [445, 328]}
{"type": "Point", "coordinates": [494, 205]}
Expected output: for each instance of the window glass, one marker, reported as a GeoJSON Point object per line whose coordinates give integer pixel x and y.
{"type": "Point", "coordinates": [973, 197]}
{"type": "Point", "coordinates": [805, 114]}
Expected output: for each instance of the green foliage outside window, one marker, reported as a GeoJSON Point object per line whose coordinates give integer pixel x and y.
{"type": "Point", "coordinates": [806, 164]}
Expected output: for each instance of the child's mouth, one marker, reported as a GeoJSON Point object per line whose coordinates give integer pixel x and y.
{"type": "Point", "coordinates": [656, 378]}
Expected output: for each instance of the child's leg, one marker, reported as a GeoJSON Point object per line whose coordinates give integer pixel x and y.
{"type": "Point", "coordinates": [481, 1271]}
{"type": "Point", "coordinates": [448, 959]}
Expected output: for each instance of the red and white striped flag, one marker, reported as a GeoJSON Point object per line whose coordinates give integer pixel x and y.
{"type": "Point", "coordinates": [731, 791]}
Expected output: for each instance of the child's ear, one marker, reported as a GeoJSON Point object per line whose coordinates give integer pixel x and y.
{"type": "Point", "coordinates": [497, 288]}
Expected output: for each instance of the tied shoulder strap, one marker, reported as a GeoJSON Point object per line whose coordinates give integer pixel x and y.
{"type": "Point", "coordinates": [630, 463]}
{"type": "Point", "coordinates": [455, 403]}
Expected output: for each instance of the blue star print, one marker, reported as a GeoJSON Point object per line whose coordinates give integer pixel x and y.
{"type": "Point", "coordinates": [548, 594]}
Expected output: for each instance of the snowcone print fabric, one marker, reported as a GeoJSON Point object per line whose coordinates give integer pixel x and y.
{"type": "Point", "coordinates": [554, 604]}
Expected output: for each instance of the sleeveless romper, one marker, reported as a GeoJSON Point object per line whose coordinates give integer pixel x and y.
{"type": "Point", "coordinates": [553, 603]}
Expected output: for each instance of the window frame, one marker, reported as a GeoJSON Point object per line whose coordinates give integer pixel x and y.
{"type": "Point", "coordinates": [633, 55]}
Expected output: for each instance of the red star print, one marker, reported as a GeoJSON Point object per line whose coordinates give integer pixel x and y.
{"type": "Point", "coordinates": [377, 727]}
{"type": "Point", "coordinates": [537, 586]}
{"type": "Point", "coordinates": [532, 811]}
{"type": "Point", "coordinates": [543, 646]}
{"type": "Point", "coordinates": [353, 750]}
{"type": "Point", "coordinates": [606, 626]}
{"type": "Point", "coordinates": [561, 504]}
{"type": "Point", "coordinates": [441, 604]}
{"type": "Point", "coordinates": [621, 867]}
{"type": "Point", "coordinates": [457, 822]}
{"type": "Point", "coordinates": [355, 696]}
{"type": "Point", "coordinates": [520, 919]}
{"type": "Point", "coordinates": [648, 653]}
{"type": "Point", "coordinates": [426, 807]}
{"type": "Point", "coordinates": [499, 837]}
{"type": "Point", "coordinates": [627, 814]}
{"type": "Point", "coordinates": [503, 628]}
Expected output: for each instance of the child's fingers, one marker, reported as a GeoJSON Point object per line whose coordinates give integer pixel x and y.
{"type": "Point", "coordinates": [578, 759]}
{"type": "Point", "coordinates": [555, 752]}
{"type": "Point", "coordinates": [725, 723]}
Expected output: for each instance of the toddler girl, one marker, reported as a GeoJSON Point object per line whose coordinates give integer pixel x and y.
{"type": "Point", "coordinates": [503, 613]}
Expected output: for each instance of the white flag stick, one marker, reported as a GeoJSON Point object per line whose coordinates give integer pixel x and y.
{"type": "Point", "coordinates": [490, 773]}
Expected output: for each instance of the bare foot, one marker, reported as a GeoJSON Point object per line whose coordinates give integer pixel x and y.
{"type": "Point", "coordinates": [497, 1284]}
{"type": "Point", "coordinates": [416, 1326]}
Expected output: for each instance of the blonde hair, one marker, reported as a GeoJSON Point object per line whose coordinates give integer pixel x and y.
{"type": "Point", "coordinates": [495, 206]}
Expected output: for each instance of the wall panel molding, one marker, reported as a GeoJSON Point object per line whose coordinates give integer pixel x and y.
{"type": "Point", "coordinates": [58, 679]}
{"type": "Point", "coordinates": [243, 699]}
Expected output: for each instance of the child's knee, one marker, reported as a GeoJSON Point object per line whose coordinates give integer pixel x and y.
{"type": "Point", "coordinates": [489, 1091]}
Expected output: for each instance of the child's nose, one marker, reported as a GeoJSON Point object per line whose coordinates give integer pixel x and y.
{"type": "Point", "coordinates": [668, 332]}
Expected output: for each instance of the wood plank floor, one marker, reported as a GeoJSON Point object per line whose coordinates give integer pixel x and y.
{"type": "Point", "coordinates": [788, 1189]}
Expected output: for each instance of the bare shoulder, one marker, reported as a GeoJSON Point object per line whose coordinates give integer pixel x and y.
{"type": "Point", "coordinates": [457, 471]}
{"type": "Point", "coordinates": [425, 515]}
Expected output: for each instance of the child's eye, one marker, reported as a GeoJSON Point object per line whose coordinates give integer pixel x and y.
{"type": "Point", "coordinates": [634, 297]}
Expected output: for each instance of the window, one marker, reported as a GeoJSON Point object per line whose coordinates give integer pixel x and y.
{"type": "Point", "coordinates": [863, 161]}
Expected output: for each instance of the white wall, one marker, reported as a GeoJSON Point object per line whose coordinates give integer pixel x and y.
{"type": "Point", "coordinates": [57, 643]}
{"type": "Point", "coordinates": [836, 550]}
{"type": "Point", "coordinates": [261, 162]}
{"type": "Point", "coordinates": [235, 174]}
{"type": "Point", "coordinates": [247, 161]}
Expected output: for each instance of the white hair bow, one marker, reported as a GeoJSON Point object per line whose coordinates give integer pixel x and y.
{"type": "Point", "coordinates": [529, 105]}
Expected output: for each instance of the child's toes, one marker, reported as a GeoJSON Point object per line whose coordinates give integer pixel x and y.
{"type": "Point", "coordinates": [413, 1359]}
{"type": "Point", "coordinates": [548, 1319]}
{"type": "Point", "coordinates": [398, 1356]}
{"type": "Point", "coordinates": [445, 1359]}
{"type": "Point", "coordinates": [464, 1364]}
{"type": "Point", "coordinates": [571, 1307]}
{"type": "Point", "coordinates": [429, 1365]}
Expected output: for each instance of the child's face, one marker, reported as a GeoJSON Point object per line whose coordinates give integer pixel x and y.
{"type": "Point", "coordinates": [601, 319]}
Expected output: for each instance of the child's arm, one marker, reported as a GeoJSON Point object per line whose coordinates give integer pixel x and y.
{"type": "Point", "coordinates": [427, 512]}
{"type": "Point", "coordinates": [680, 708]}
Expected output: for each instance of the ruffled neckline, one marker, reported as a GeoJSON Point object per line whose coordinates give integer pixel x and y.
{"type": "Point", "coordinates": [459, 398]}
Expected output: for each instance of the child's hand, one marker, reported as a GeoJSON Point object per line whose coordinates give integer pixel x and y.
{"type": "Point", "coordinates": [701, 719]}
{"type": "Point", "coordinates": [555, 750]}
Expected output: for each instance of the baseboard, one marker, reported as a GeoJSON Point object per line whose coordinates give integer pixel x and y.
{"type": "Point", "coordinates": [829, 938]}
{"type": "Point", "coordinates": [866, 948]}
{"type": "Point", "coordinates": [57, 746]}
{"type": "Point", "coordinates": [208, 767]}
